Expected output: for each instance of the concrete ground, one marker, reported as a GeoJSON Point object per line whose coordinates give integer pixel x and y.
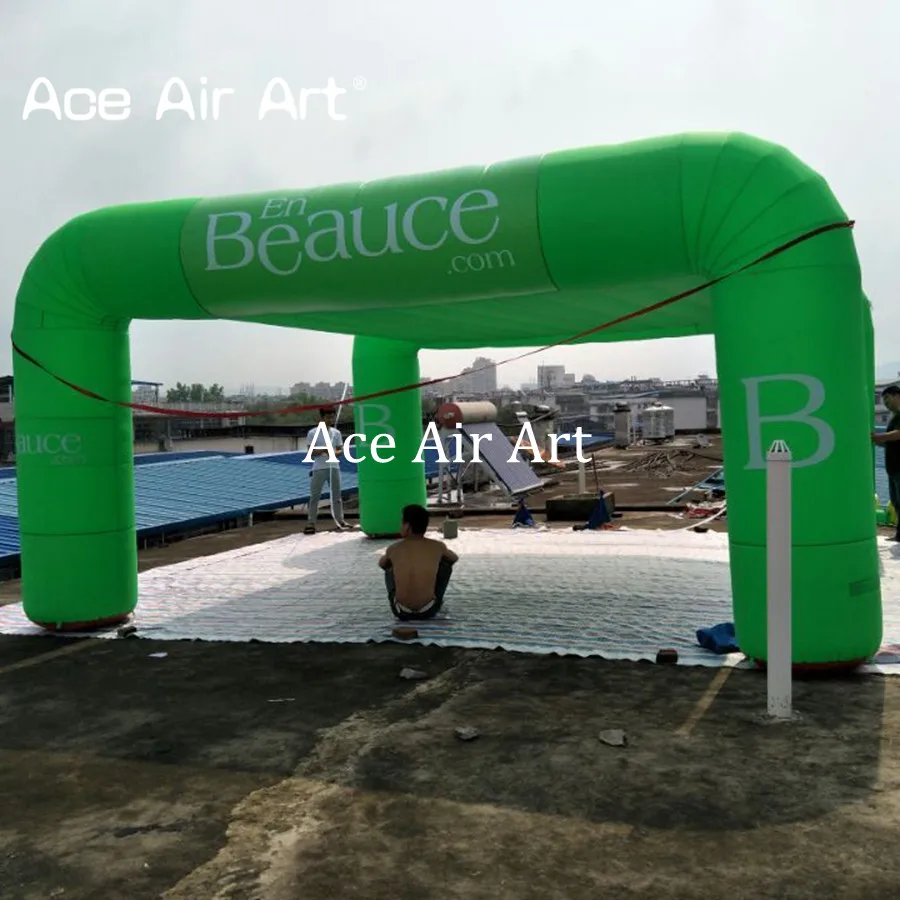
{"type": "Point", "coordinates": [301, 771]}
{"type": "Point", "coordinates": [284, 772]}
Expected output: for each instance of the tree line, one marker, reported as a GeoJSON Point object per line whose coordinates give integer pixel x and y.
{"type": "Point", "coordinates": [215, 393]}
{"type": "Point", "coordinates": [200, 393]}
{"type": "Point", "coordinates": [195, 393]}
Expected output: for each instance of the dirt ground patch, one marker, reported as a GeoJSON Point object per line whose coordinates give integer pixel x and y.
{"type": "Point", "coordinates": [130, 777]}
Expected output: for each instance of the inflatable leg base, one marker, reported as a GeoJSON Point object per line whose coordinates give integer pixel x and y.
{"type": "Point", "coordinates": [828, 668]}
{"type": "Point", "coordinates": [95, 625]}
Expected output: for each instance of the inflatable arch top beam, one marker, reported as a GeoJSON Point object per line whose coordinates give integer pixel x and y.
{"type": "Point", "coordinates": [520, 253]}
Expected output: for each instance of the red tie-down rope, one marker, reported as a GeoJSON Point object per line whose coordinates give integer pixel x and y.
{"type": "Point", "coordinates": [286, 410]}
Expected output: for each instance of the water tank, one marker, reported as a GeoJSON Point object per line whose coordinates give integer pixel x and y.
{"type": "Point", "coordinates": [622, 423]}
{"type": "Point", "coordinates": [653, 423]}
{"type": "Point", "coordinates": [669, 418]}
{"type": "Point", "coordinates": [451, 414]}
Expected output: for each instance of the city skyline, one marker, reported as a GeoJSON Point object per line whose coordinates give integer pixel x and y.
{"type": "Point", "coordinates": [885, 372]}
{"type": "Point", "coordinates": [299, 385]}
{"type": "Point", "coordinates": [478, 378]}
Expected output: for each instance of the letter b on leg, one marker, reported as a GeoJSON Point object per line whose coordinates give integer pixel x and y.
{"type": "Point", "coordinates": [815, 399]}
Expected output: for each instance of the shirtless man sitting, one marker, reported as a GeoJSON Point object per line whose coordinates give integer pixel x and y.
{"type": "Point", "coordinates": [417, 569]}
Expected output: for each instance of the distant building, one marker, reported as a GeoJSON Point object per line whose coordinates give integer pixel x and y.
{"type": "Point", "coordinates": [321, 390]}
{"type": "Point", "coordinates": [145, 392]}
{"type": "Point", "coordinates": [7, 414]}
{"type": "Point", "coordinates": [552, 377]}
{"type": "Point", "coordinates": [693, 410]}
{"type": "Point", "coordinates": [479, 379]}
{"type": "Point", "coordinates": [572, 403]}
{"type": "Point", "coordinates": [431, 390]}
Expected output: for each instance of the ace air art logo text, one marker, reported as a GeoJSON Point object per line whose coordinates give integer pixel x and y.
{"type": "Point", "coordinates": [176, 99]}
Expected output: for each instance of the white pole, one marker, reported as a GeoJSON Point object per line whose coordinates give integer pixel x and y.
{"type": "Point", "coordinates": [779, 600]}
{"type": "Point", "coordinates": [582, 479]}
{"type": "Point", "coordinates": [337, 417]}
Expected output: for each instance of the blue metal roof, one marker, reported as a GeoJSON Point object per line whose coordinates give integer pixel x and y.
{"type": "Point", "coordinates": [195, 492]}
{"type": "Point", "coordinates": [295, 458]}
{"type": "Point", "coordinates": [181, 490]}
{"type": "Point", "coordinates": [9, 536]}
{"type": "Point", "coordinates": [147, 459]}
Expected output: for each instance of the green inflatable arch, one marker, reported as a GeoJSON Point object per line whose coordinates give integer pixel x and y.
{"type": "Point", "coordinates": [521, 253]}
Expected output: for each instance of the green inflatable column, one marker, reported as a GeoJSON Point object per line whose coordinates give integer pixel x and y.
{"type": "Point", "coordinates": [791, 352]}
{"type": "Point", "coordinates": [386, 487]}
{"type": "Point", "coordinates": [74, 453]}
{"type": "Point", "coordinates": [75, 474]}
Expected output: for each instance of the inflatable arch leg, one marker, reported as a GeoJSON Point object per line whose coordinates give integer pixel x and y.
{"type": "Point", "coordinates": [778, 350]}
{"type": "Point", "coordinates": [386, 487]}
{"type": "Point", "coordinates": [75, 454]}
{"type": "Point", "coordinates": [75, 474]}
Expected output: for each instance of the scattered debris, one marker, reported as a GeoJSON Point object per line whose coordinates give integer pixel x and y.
{"type": "Point", "coordinates": [615, 737]}
{"type": "Point", "coordinates": [158, 655]}
{"type": "Point", "coordinates": [126, 631]}
{"type": "Point", "coordinates": [667, 463]}
{"type": "Point", "coordinates": [704, 510]}
{"type": "Point", "coordinates": [467, 734]}
{"type": "Point", "coordinates": [667, 656]}
{"type": "Point", "coordinates": [413, 674]}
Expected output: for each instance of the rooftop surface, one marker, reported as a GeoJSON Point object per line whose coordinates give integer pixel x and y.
{"type": "Point", "coordinates": [189, 769]}
{"type": "Point", "coordinates": [254, 769]}
{"type": "Point", "coordinates": [615, 594]}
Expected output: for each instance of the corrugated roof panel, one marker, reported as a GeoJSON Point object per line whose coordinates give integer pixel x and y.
{"type": "Point", "coordinates": [295, 458]}
{"type": "Point", "coordinates": [9, 536]}
{"type": "Point", "coordinates": [187, 491]}
{"type": "Point", "coordinates": [149, 459]}
{"type": "Point", "coordinates": [218, 489]}
{"type": "Point", "coordinates": [9, 499]}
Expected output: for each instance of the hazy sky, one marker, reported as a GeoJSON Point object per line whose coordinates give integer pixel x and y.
{"type": "Point", "coordinates": [446, 84]}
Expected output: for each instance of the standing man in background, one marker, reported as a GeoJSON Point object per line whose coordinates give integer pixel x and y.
{"type": "Point", "coordinates": [890, 440]}
{"type": "Point", "coordinates": [323, 469]}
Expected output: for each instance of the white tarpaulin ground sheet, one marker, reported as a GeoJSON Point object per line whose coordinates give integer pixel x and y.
{"type": "Point", "coordinates": [614, 594]}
